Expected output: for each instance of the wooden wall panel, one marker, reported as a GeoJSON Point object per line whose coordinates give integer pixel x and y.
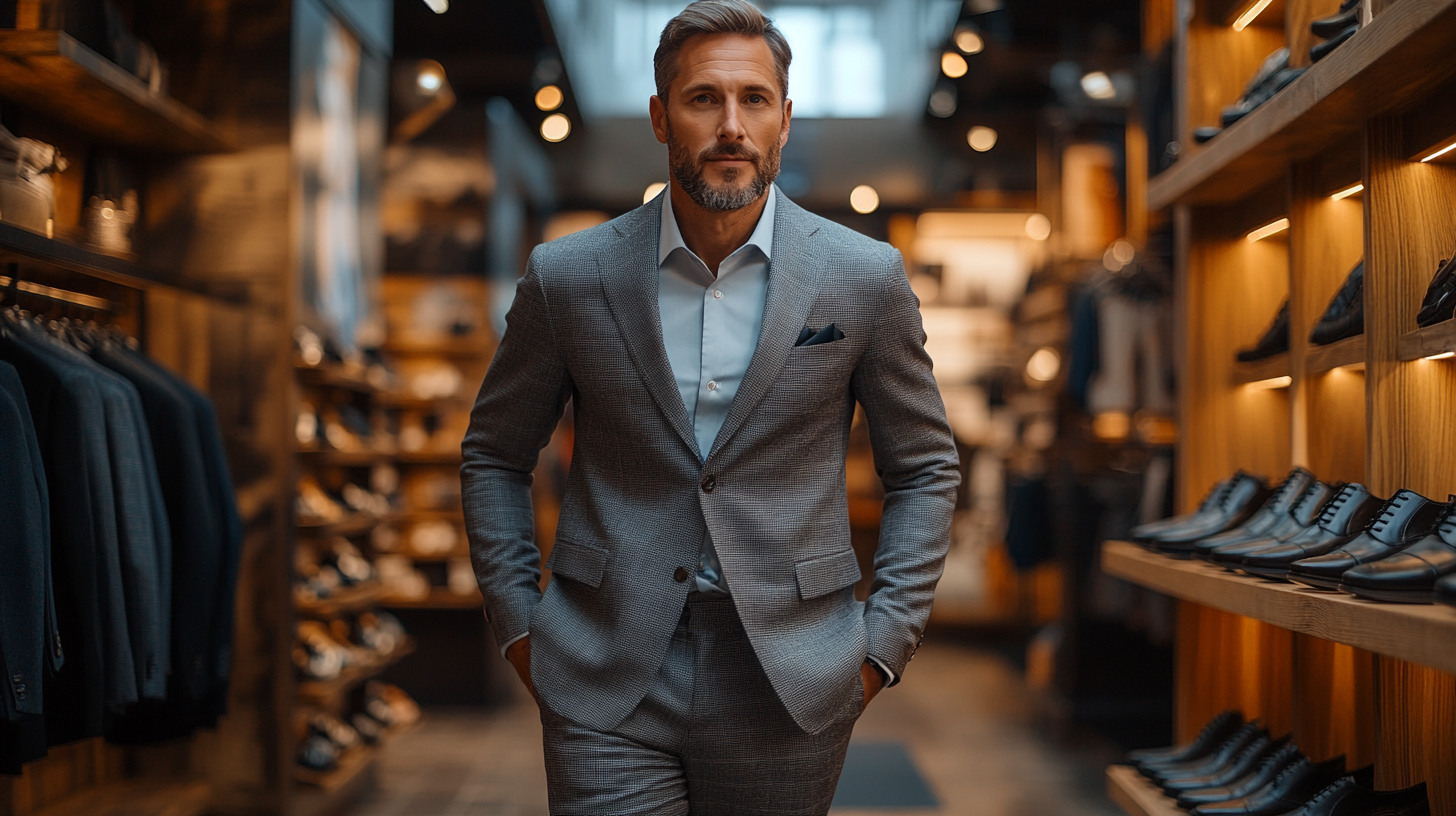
{"type": "Point", "coordinates": [1229, 661]}
{"type": "Point", "coordinates": [1416, 730]}
{"type": "Point", "coordinates": [1224, 60]}
{"type": "Point", "coordinates": [1334, 701]}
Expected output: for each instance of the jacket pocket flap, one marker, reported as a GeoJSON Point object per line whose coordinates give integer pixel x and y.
{"type": "Point", "coordinates": [578, 562]}
{"type": "Point", "coordinates": [826, 574]}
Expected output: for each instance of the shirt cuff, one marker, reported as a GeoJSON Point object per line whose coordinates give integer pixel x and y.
{"type": "Point", "coordinates": [889, 675]}
{"type": "Point", "coordinates": [508, 644]}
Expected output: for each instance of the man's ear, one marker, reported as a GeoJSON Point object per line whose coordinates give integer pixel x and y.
{"type": "Point", "coordinates": [657, 110]}
{"type": "Point", "coordinates": [788, 116]}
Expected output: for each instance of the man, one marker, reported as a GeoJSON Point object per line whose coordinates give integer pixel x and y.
{"type": "Point", "coordinates": [699, 647]}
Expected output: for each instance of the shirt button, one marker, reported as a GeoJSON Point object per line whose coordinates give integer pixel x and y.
{"type": "Point", "coordinates": [709, 483]}
{"type": "Point", "coordinates": [712, 385]}
{"type": "Point", "coordinates": [718, 293]}
{"type": "Point", "coordinates": [680, 574]}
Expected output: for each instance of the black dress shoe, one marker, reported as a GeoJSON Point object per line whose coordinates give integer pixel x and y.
{"type": "Point", "coordinates": [1144, 532]}
{"type": "Point", "coordinates": [1270, 513]}
{"type": "Point", "coordinates": [1349, 797]}
{"type": "Point", "coordinates": [1205, 135]}
{"type": "Point", "coordinates": [1247, 734]}
{"type": "Point", "coordinates": [1268, 768]}
{"type": "Point", "coordinates": [1264, 93]}
{"type": "Point", "coordinates": [1327, 27]}
{"type": "Point", "coordinates": [1239, 501]}
{"type": "Point", "coordinates": [1403, 521]}
{"type": "Point", "coordinates": [1440, 302]}
{"type": "Point", "coordinates": [1294, 786]}
{"type": "Point", "coordinates": [1446, 591]}
{"type": "Point", "coordinates": [1242, 764]}
{"type": "Point", "coordinates": [1300, 517]}
{"type": "Point", "coordinates": [1274, 341]}
{"type": "Point", "coordinates": [1341, 519]}
{"type": "Point", "coordinates": [1218, 729]}
{"type": "Point", "coordinates": [1410, 575]}
{"type": "Point", "coordinates": [1323, 50]}
{"type": "Point", "coordinates": [1274, 64]}
{"type": "Point", "coordinates": [1345, 316]}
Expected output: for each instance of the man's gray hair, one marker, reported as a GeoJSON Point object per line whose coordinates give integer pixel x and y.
{"type": "Point", "coordinates": [718, 17]}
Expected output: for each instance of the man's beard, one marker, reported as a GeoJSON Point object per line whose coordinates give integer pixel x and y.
{"type": "Point", "coordinates": [687, 170]}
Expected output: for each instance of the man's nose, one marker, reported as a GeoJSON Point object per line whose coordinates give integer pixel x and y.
{"type": "Point", "coordinates": [730, 129]}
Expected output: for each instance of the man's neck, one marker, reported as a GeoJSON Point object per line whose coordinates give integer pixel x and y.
{"type": "Point", "coordinates": [710, 234]}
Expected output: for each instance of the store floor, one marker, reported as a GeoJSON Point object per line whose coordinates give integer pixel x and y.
{"type": "Point", "coordinates": [963, 717]}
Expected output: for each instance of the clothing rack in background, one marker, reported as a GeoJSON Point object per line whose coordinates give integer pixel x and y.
{"type": "Point", "coordinates": [12, 284]}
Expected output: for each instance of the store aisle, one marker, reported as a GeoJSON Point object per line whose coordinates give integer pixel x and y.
{"type": "Point", "coordinates": [965, 720]}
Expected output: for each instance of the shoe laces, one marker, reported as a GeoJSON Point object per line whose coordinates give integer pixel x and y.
{"type": "Point", "coordinates": [1285, 487]}
{"type": "Point", "coordinates": [1337, 786]}
{"type": "Point", "coordinates": [1276, 757]}
{"type": "Point", "coordinates": [1354, 287]}
{"type": "Point", "coordinates": [1216, 497]}
{"type": "Point", "coordinates": [1447, 526]}
{"type": "Point", "coordinates": [1332, 507]}
{"type": "Point", "coordinates": [1390, 510]}
{"type": "Point", "coordinates": [1309, 497]}
{"type": "Point", "coordinates": [1299, 766]}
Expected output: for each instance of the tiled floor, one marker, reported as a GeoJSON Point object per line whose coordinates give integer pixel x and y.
{"type": "Point", "coordinates": [963, 713]}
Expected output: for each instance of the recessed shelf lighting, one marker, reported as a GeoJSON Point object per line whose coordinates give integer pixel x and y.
{"type": "Point", "coordinates": [1269, 229]}
{"type": "Point", "coordinates": [1445, 355]}
{"type": "Point", "coordinates": [1355, 189]}
{"type": "Point", "coordinates": [1250, 14]}
{"type": "Point", "coordinates": [1439, 153]}
{"type": "Point", "coordinates": [953, 65]}
{"type": "Point", "coordinates": [1271, 383]}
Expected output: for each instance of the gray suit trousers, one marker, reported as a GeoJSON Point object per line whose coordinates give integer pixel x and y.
{"type": "Point", "coordinates": [711, 737]}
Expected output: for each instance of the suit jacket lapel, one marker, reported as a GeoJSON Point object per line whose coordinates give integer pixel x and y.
{"type": "Point", "coordinates": [795, 275]}
{"type": "Point", "coordinates": [629, 279]}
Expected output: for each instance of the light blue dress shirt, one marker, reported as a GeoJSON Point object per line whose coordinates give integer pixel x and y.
{"type": "Point", "coordinates": [710, 329]}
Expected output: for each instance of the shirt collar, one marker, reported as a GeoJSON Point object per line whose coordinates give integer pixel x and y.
{"type": "Point", "coordinates": [670, 238]}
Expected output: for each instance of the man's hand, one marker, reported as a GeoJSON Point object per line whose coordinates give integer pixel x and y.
{"type": "Point", "coordinates": [519, 653]}
{"type": "Point", "coordinates": [873, 682]}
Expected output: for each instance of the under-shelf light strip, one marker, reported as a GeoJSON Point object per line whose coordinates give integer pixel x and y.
{"type": "Point", "coordinates": [1445, 355]}
{"type": "Point", "coordinates": [1347, 192]}
{"type": "Point", "coordinates": [1269, 229]}
{"type": "Point", "coordinates": [1248, 16]}
{"type": "Point", "coordinates": [1439, 153]}
{"type": "Point", "coordinates": [1272, 382]}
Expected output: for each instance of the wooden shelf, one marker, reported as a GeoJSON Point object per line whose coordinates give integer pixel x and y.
{"type": "Point", "coordinates": [136, 797]}
{"type": "Point", "coordinates": [1132, 792]}
{"type": "Point", "coordinates": [351, 525]}
{"type": "Point", "coordinates": [1260, 370]}
{"type": "Point", "coordinates": [323, 692]}
{"type": "Point", "coordinates": [345, 602]}
{"type": "Point", "coordinates": [1422, 343]}
{"type": "Point", "coordinates": [1416, 633]}
{"type": "Point", "coordinates": [1347, 352]}
{"type": "Point", "coordinates": [472, 348]}
{"type": "Point", "coordinates": [1391, 63]}
{"type": "Point", "coordinates": [351, 766]}
{"type": "Point", "coordinates": [437, 599]}
{"type": "Point", "coordinates": [52, 72]}
{"type": "Point", "coordinates": [446, 457]}
{"type": "Point", "coordinates": [337, 458]}
{"type": "Point", "coordinates": [334, 376]}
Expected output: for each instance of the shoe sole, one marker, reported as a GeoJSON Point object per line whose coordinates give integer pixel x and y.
{"type": "Point", "coordinates": [1316, 582]}
{"type": "Point", "coordinates": [1407, 596]}
{"type": "Point", "coordinates": [1270, 573]}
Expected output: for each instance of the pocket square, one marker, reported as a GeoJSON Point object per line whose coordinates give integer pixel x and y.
{"type": "Point", "coordinates": [814, 337]}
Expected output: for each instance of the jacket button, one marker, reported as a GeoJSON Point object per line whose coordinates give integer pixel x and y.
{"type": "Point", "coordinates": [709, 482]}
{"type": "Point", "coordinates": [18, 682]}
{"type": "Point", "coordinates": [680, 574]}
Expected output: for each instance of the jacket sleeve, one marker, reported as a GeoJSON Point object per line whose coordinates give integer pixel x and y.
{"type": "Point", "coordinates": [519, 405]}
{"type": "Point", "coordinates": [915, 457]}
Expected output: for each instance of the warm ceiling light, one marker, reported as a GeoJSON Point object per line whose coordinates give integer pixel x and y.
{"type": "Point", "coordinates": [1038, 227]}
{"type": "Point", "coordinates": [1044, 365]}
{"type": "Point", "coordinates": [430, 77]}
{"type": "Point", "coordinates": [943, 103]}
{"type": "Point", "coordinates": [1445, 355]}
{"type": "Point", "coordinates": [1439, 153]}
{"type": "Point", "coordinates": [1269, 229]}
{"type": "Point", "coordinates": [1111, 425]}
{"type": "Point", "coordinates": [652, 190]}
{"type": "Point", "coordinates": [969, 41]}
{"type": "Point", "coordinates": [1347, 192]}
{"type": "Point", "coordinates": [438, 6]}
{"type": "Point", "coordinates": [953, 65]}
{"type": "Point", "coordinates": [549, 98]}
{"type": "Point", "coordinates": [1271, 383]}
{"type": "Point", "coordinates": [981, 138]}
{"type": "Point", "coordinates": [864, 199]}
{"type": "Point", "coordinates": [1098, 85]}
{"type": "Point", "coordinates": [1250, 13]}
{"type": "Point", "coordinates": [555, 127]}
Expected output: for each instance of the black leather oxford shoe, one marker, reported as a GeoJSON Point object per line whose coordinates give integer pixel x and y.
{"type": "Point", "coordinates": [1144, 532]}
{"type": "Point", "coordinates": [1410, 575]}
{"type": "Point", "coordinates": [1446, 591]}
{"type": "Point", "coordinates": [1345, 316]}
{"type": "Point", "coordinates": [1268, 768]}
{"type": "Point", "coordinates": [1241, 499]}
{"type": "Point", "coordinates": [1275, 339]}
{"type": "Point", "coordinates": [1327, 27]}
{"type": "Point", "coordinates": [1341, 519]}
{"type": "Point", "coordinates": [1440, 302]}
{"type": "Point", "coordinates": [1274, 509]}
{"type": "Point", "coordinates": [1218, 729]}
{"type": "Point", "coordinates": [1260, 95]}
{"type": "Point", "coordinates": [1348, 797]}
{"type": "Point", "coordinates": [1300, 517]}
{"type": "Point", "coordinates": [1242, 764]}
{"type": "Point", "coordinates": [1293, 787]}
{"type": "Point", "coordinates": [1247, 734]}
{"type": "Point", "coordinates": [1323, 50]}
{"type": "Point", "coordinates": [1403, 521]}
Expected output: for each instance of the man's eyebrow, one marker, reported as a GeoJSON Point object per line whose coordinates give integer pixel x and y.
{"type": "Point", "coordinates": [767, 90]}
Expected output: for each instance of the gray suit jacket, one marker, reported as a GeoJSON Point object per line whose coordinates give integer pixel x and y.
{"type": "Point", "coordinates": [584, 327]}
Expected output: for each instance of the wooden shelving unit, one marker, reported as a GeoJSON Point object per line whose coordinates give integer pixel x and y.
{"type": "Point", "coordinates": [1339, 354]}
{"type": "Point", "coordinates": [1262, 370]}
{"type": "Point", "coordinates": [1428, 342]}
{"type": "Point", "coordinates": [326, 692]}
{"type": "Point", "coordinates": [351, 525]}
{"type": "Point", "coordinates": [51, 72]}
{"type": "Point", "coordinates": [137, 797]}
{"type": "Point", "coordinates": [349, 601]}
{"type": "Point", "coordinates": [1132, 792]}
{"type": "Point", "coordinates": [1416, 633]}
{"type": "Point", "coordinates": [437, 599]}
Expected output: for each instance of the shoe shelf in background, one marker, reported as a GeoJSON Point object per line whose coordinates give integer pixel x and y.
{"type": "Point", "coordinates": [1261, 370]}
{"type": "Point", "coordinates": [348, 601]}
{"type": "Point", "coordinates": [137, 797]}
{"type": "Point", "coordinates": [1137, 796]}
{"type": "Point", "coordinates": [1418, 633]}
{"type": "Point", "coordinates": [332, 787]}
{"type": "Point", "coordinates": [1428, 342]}
{"type": "Point", "coordinates": [329, 692]}
{"type": "Point", "coordinates": [1339, 354]}
{"type": "Point", "coordinates": [1401, 56]}
{"type": "Point", "coordinates": [437, 599]}
{"type": "Point", "coordinates": [52, 72]}
{"type": "Point", "coordinates": [350, 526]}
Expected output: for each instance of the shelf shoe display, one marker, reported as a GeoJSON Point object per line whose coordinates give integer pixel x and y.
{"type": "Point", "coordinates": [1410, 575]}
{"type": "Point", "coordinates": [1271, 78]}
{"type": "Point", "coordinates": [1267, 517]}
{"type": "Point", "coordinates": [1340, 520]}
{"type": "Point", "coordinates": [1248, 733]}
{"type": "Point", "coordinates": [1239, 500]}
{"type": "Point", "coordinates": [1327, 27]}
{"type": "Point", "coordinates": [1345, 316]}
{"type": "Point", "coordinates": [1268, 768]}
{"type": "Point", "coordinates": [1323, 50]}
{"type": "Point", "coordinates": [1405, 519]}
{"type": "Point", "coordinates": [1446, 591]}
{"type": "Point", "coordinates": [1242, 764]}
{"type": "Point", "coordinates": [1439, 304]}
{"type": "Point", "coordinates": [1349, 797]}
{"type": "Point", "coordinates": [1275, 339]}
{"type": "Point", "coordinates": [1298, 783]}
{"type": "Point", "coordinates": [1218, 729]}
{"type": "Point", "coordinates": [1300, 516]}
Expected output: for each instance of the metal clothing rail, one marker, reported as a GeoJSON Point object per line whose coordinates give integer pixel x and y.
{"type": "Point", "coordinates": [12, 283]}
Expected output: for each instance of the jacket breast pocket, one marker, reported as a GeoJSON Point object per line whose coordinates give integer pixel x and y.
{"type": "Point", "coordinates": [578, 562]}
{"type": "Point", "coordinates": [826, 574]}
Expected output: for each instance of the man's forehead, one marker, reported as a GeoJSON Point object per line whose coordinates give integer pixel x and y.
{"type": "Point", "coordinates": [727, 59]}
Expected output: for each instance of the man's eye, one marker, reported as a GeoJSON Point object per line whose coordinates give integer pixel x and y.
{"type": "Point", "coordinates": [702, 98]}
{"type": "Point", "coordinates": [755, 99]}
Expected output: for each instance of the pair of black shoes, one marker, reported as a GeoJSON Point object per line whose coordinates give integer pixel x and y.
{"type": "Point", "coordinates": [1228, 505]}
{"type": "Point", "coordinates": [1335, 29]}
{"type": "Point", "coordinates": [1439, 304]}
{"type": "Point", "coordinates": [1273, 76]}
{"type": "Point", "coordinates": [1345, 316]}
